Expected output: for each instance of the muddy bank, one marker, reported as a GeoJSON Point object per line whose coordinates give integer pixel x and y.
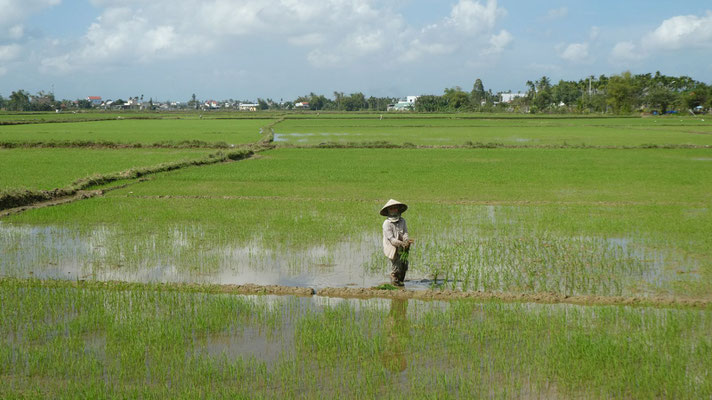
{"type": "Point", "coordinates": [53, 201]}
{"type": "Point", "coordinates": [480, 145]}
{"type": "Point", "coordinates": [105, 144]}
{"type": "Point", "coordinates": [247, 289]}
{"type": "Point", "coordinates": [369, 293]}
{"type": "Point", "coordinates": [14, 201]}
{"type": "Point", "coordinates": [547, 298]}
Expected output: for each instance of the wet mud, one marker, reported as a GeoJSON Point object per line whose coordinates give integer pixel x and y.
{"type": "Point", "coordinates": [370, 293]}
{"type": "Point", "coordinates": [53, 201]}
{"type": "Point", "coordinates": [545, 298]}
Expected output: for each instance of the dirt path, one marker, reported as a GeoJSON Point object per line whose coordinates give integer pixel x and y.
{"type": "Point", "coordinates": [79, 195]}
{"type": "Point", "coordinates": [370, 293]}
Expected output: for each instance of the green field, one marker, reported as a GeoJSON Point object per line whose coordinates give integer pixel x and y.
{"type": "Point", "coordinates": [139, 131]}
{"type": "Point", "coordinates": [570, 221]}
{"type": "Point", "coordinates": [457, 130]}
{"type": "Point", "coordinates": [144, 342]}
{"type": "Point", "coordinates": [603, 208]}
{"type": "Point", "coordinates": [46, 169]}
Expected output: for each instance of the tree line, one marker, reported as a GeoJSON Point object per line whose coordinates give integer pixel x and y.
{"type": "Point", "coordinates": [617, 94]}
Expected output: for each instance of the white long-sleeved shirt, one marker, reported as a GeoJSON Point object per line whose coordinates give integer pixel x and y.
{"type": "Point", "coordinates": [394, 236]}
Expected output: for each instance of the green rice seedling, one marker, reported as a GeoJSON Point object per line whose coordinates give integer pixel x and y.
{"type": "Point", "coordinates": [498, 131]}
{"type": "Point", "coordinates": [44, 169]}
{"type": "Point", "coordinates": [138, 131]}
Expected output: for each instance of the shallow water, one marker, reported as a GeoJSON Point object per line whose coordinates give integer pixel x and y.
{"type": "Point", "coordinates": [582, 265]}
{"type": "Point", "coordinates": [304, 137]}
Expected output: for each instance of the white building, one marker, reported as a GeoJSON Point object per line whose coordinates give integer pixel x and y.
{"type": "Point", "coordinates": [508, 97]}
{"type": "Point", "coordinates": [248, 107]}
{"type": "Point", "coordinates": [404, 104]}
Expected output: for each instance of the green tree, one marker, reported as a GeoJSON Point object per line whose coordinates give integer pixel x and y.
{"type": "Point", "coordinates": [621, 93]}
{"type": "Point", "coordinates": [338, 100]}
{"type": "Point", "coordinates": [566, 92]}
{"type": "Point", "coordinates": [456, 98]}
{"type": "Point", "coordinates": [84, 104]}
{"type": "Point", "coordinates": [431, 103]}
{"type": "Point", "coordinates": [192, 103]}
{"type": "Point", "coordinates": [262, 104]}
{"type": "Point", "coordinates": [19, 101]}
{"type": "Point", "coordinates": [660, 98]}
{"type": "Point", "coordinates": [478, 94]}
{"type": "Point", "coordinates": [695, 97]}
{"type": "Point", "coordinates": [354, 102]}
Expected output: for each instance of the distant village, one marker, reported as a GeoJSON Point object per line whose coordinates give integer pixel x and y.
{"type": "Point", "coordinates": [406, 103]}
{"type": "Point", "coordinates": [617, 94]}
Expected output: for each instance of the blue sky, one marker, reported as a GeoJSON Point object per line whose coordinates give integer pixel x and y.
{"type": "Point", "coordinates": [279, 49]}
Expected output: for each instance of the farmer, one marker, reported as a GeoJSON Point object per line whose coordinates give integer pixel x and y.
{"type": "Point", "coordinates": [396, 242]}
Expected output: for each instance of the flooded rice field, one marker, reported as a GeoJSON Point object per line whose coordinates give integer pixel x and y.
{"type": "Point", "coordinates": [146, 341]}
{"type": "Point", "coordinates": [465, 261]}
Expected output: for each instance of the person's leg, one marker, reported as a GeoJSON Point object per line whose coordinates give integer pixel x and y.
{"type": "Point", "coordinates": [395, 273]}
{"type": "Point", "coordinates": [402, 270]}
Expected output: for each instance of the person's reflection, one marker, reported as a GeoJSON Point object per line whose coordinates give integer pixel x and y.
{"type": "Point", "coordinates": [398, 332]}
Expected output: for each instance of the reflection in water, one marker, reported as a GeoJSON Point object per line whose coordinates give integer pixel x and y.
{"type": "Point", "coordinates": [398, 334]}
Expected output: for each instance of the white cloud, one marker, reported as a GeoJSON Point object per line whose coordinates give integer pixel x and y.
{"type": "Point", "coordinates": [684, 31]}
{"type": "Point", "coordinates": [3, 71]}
{"type": "Point", "coordinates": [332, 32]}
{"type": "Point", "coordinates": [14, 11]}
{"type": "Point", "coordinates": [365, 42]}
{"type": "Point", "coordinates": [498, 42]}
{"type": "Point", "coordinates": [309, 39]}
{"type": "Point", "coordinates": [575, 52]}
{"type": "Point", "coordinates": [594, 33]}
{"type": "Point", "coordinates": [557, 13]}
{"type": "Point", "coordinates": [15, 32]}
{"type": "Point", "coordinates": [417, 49]}
{"type": "Point", "coordinates": [625, 53]}
{"type": "Point", "coordinates": [319, 58]}
{"type": "Point", "coordinates": [9, 52]}
{"type": "Point", "coordinates": [135, 31]}
{"type": "Point", "coordinates": [474, 17]}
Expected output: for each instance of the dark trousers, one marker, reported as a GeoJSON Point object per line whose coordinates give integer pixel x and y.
{"type": "Point", "coordinates": [399, 268]}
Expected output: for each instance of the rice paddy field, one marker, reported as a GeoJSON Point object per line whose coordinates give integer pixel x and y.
{"type": "Point", "coordinates": [42, 168]}
{"type": "Point", "coordinates": [459, 130]}
{"type": "Point", "coordinates": [138, 131]}
{"type": "Point", "coordinates": [127, 294]}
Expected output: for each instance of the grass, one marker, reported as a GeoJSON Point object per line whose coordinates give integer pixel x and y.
{"type": "Point", "coordinates": [116, 342]}
{"type": "Point", "coordinates": [448, 130]}
{"type": "Point", "coordinates": [524, 220]}
{"type": "Point", "coordinates": [138, 131]}
{"type": "Point", "coordinates": [43, 169]}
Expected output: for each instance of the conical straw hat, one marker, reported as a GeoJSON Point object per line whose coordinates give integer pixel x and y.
{"type": "Point", "coordinates": [391, 202]}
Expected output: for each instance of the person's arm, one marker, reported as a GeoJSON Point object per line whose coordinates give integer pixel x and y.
{"type": "Point", "coordinates": [405, 232]}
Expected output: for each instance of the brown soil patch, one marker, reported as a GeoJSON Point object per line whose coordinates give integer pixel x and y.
{"type": "Point", "coordinates": [369, 293]}
{"type": "Point", "coordinates": [79, 195]}
{"type": "Point", "coordinates": [546, 298]}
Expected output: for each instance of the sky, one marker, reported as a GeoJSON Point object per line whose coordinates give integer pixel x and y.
{"type": "Point", "coordinates": [281, 49]}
